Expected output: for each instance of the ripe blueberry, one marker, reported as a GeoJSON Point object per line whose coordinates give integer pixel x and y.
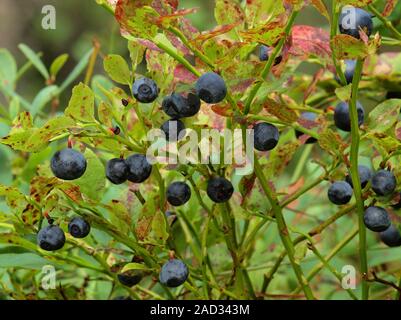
{"type": "Point", "coordinates": [130, 277]}
{"type": "Point", "coordinates": [177, 106]}
{"type": "Point", "coordinates": [219, 189]}
{"type": "Point", "coordinates": [376, 219]}
{"type": "Point", "coordinates": [79, 228]}
{"type": "Point", "coordinates": [173, 129]}
{"type": "Point", "coordinates": [353, 19]}
{"type": "Point", "coordinates": [349, 71]}
{"type": "Point", "coordinates": [51, 238]}
{"type": "Point", "coordinates": [139, 169]}
{"type": "Point", "coordinates": [117, 170]}
{"type": "Point", "coordinates": [264, 54]}
{"type": "Point", "coordinates": [383, 182]}
{"type": "Point", "coordinates": [68, 164]}
{"type": "Point", "coordinates": [342, 118]}
{"type": "Point", "coordinates": [178, 193]}
{"type": "Point", "coordinates": [266, 136]}
{"type": "Point", "coordinates": [391, 237]}
{"type": "Point", "coordinates": [173, 273]}
{"type": "Point", "coordinates": [340, 192]}
{"type": "Point", "coordinates": [171, 217]}
{"type": "Point", "coordinates": [145, 90]}
{"type": "Point", "coordinates": [365, 174]}
{"type": "Point", "coordinates": [211, 88]}
{"type": "Point", "coordinates": [309, 116]}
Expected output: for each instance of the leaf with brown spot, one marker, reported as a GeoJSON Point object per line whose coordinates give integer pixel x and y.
{"type": "Point", "coordinates": [384, 116]}
{"type": "Point", "coordinates": [81, 106]}
{"type": "Point", "coordinates": [217, 31]}
{"type": "Point", "coordinates": [280, 110]}
{"type": "Point", "coordinates": [331, 142]}
{"type": "Point", "coordinates": [347, 47]}
{"type": "Point", "coordinates": [279, 158]}
{"type": "Point", "coordinates": [228, 12]}
{"type": "Point", "coordinates": [223, 109]}
{"type": "Point", "coordinates": [245, 186]}
{"type": "Point", "coordinates": [389, 7]}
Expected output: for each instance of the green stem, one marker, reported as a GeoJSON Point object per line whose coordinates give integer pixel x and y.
{"type": "Point", "coordinates": [354, 153]}
{"type": "Point", "coordinates": [301, 162]}
{"type": "Point", "coordinates": [282, 229]}
{"type": "Point", "coordinates": [386, 22]}
{"type": "Point", "coordinates": [269, 64]}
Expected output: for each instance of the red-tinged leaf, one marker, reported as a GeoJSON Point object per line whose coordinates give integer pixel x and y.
{"type": "Point", "coordinates": [280, 110]}
{"type": "Point", "coordinates": [217, 31]}
{"type": "Point", "coordinates": [242, 85]}
{"type": "Point", "coordinates": [223, 109]}
{"type": "Point", "coordinates": [167, 19]}
{"type": "Point", "coordinates": [228, 12]}
{"type": "Point", "coordinates": [246, 185]}
{"type": "Point", "coordinates": [331, 142]}
{"type": "Point", "coordinates": [188, 29]}
{"type": "Point", "coordinates": [389, 7]}
{"type": "Point", "coordinates": [308, 40]}
{"type": "Point", "coordinates": [279, 158]}
{"type": "Point", "coordinates": [137, 18]}
{"type": "Point", "coordinates": [182, 75]}
{"type": "Point", "coordinates": [347, 47]}
{"type": "Point", "coordinates": [307, 124]}
{"type": "Point", "coordinates": [268, 34]}
{"type": "Point", "coordinates": [164, 7]}
{"type": "Point", "coordinates": [178, 44]}
{"type": "Point", "coordinates": [149, 45]}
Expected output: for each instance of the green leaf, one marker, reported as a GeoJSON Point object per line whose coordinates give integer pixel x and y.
{"type": "Point", "coordinates": [41, 137]}
{"type": "Point", "coordinates": [42, 99]}
{"type": "Point", "coordinates": [119, 215]}
{"type": "Point", "coordinates": [14, 107]}
{"type": "Point", "coordinates": [331, 142]}
{"type": "Point", "coordinates": [280, 110]}
{"type": "Point", "coordinates": [134, 266]}
{"type": "Point", "coordinates": [35, 60]}
{"type": "Point", "coordinates": [159, 227]}
{"type": "Point", "coordinates": [8, 69]}
{"type": "Point", "coordinates": [117, 68]}
{"type": "Point", "coordinates": [384, 116]}
{"type": "Point", "coordinates": [76, 71]}
{"type": "Point", "coordinates": [93, 181]}
{"type": "Point", "coordinates": [344, 93]}
{"type": "Point", "coordinates": [347, 47]}
{"type": "Point", "coordinates": [105, 114]}
{"type": "Point", "coordinates": [228, 12]}
{"type": "Point", "coordinates": [136, 52]}
{"type": "Point", "coordinates": [57, 64]}
{"type": "Point", "coordinates": [82, 104]}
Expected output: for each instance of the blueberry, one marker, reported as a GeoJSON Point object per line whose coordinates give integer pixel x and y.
{"type": "Point", "coordinates": [309, 116]}
{"type": "Point", "coordinates": [130, 278]}
{"type": "Point", "coordinates": [383, 182]}
{"type": "Point", "coordinates": [79, 228]}
{"type": "Point", "coordinates": [340, 192]}
{"type": "Point", "coordinates": [376, 219]}
{"type": "Point", "coordinates": [349, 71]}
{"type": "Point", "coordinates": [139, 168]}
{"type": "Point", "coordinates": [219, 189]}
{"type": "Point", "coordinates": [178, 193]}
{"type": "Point", "coordinates": [51, 238]}
{"type": "Point", "coordinates": [264, 54]}
{"type": "Point", "coordinates": [365, 174]}
{"type": "Point", "coordinates": [353, 19]}
{"type": "Point", "coordinates": [342, 118]}
{"type": "Point", "coordinates": [177, 106]}
{"type": "Point", "coordinates": [68, 164]}
{"type": "Point", "coordinates": [391, 236]}
{"type": "Point", "coordinates": [266, 136]}
{"type": "Point", "coordinates": [145, 90]}
{"type": "Point", "coordinates": [173, 129]}
{"type": "Point", "coordinates": [173, 273]}
{"type": "Point", "coordinates": [117, 170]}
{"type": "Point", "coordinates": [171, 217]}
{"type": "Point", "coordinates": [211, 88]}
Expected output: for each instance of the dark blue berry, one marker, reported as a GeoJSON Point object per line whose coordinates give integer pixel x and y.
{"type": "Point", "coordinates": [51, 238]}
{"type": "Point", "coordinates": [173, 273]}
{"type": "Point", "coordinates": [130, 278]}
{"type": "Point", "coordinates": [342, 118]}
{"type": "Point", "coordinates": [219, 189]}
{"type": "Point", "coordinates": [211, 88]}
{"type": "Point", "coordinates": [365, 174]}
{"type": "Point", "coordinates": [171, 217]}
{"type": "Point", "coordinates": [353, 19]}
{"type": "Point", "coordinates": [68, 164]}
{"type": "Point", "coordinates": [139, 169]}
{"type": "Point", "coordinates": [173, 129]}
{"type": "Point", "coordinates": [376, 219]}
{"type": "Point", "coordinates": [178, 106]}
{"type": "Point", "coordinates": [391, 236]}
{"type": "Point", "coordinates": [117, 170]}
{"type": "Point", "coordinates": [383, 182]}
{"type": "Point", "coordinates": [340, 192]}
{"type": "Point", "coordinates": [309, 116]}
{"type": "Point", "coordinates": [178, 193]}
{"type": "Point", "coordinates": [266, 136]}
{"type": "Point", "coordinates": [79, 228]}
{"type": "Point", "coordinates": [264, 54]}
{"type": "Point", "coordinates": [145, 90]}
